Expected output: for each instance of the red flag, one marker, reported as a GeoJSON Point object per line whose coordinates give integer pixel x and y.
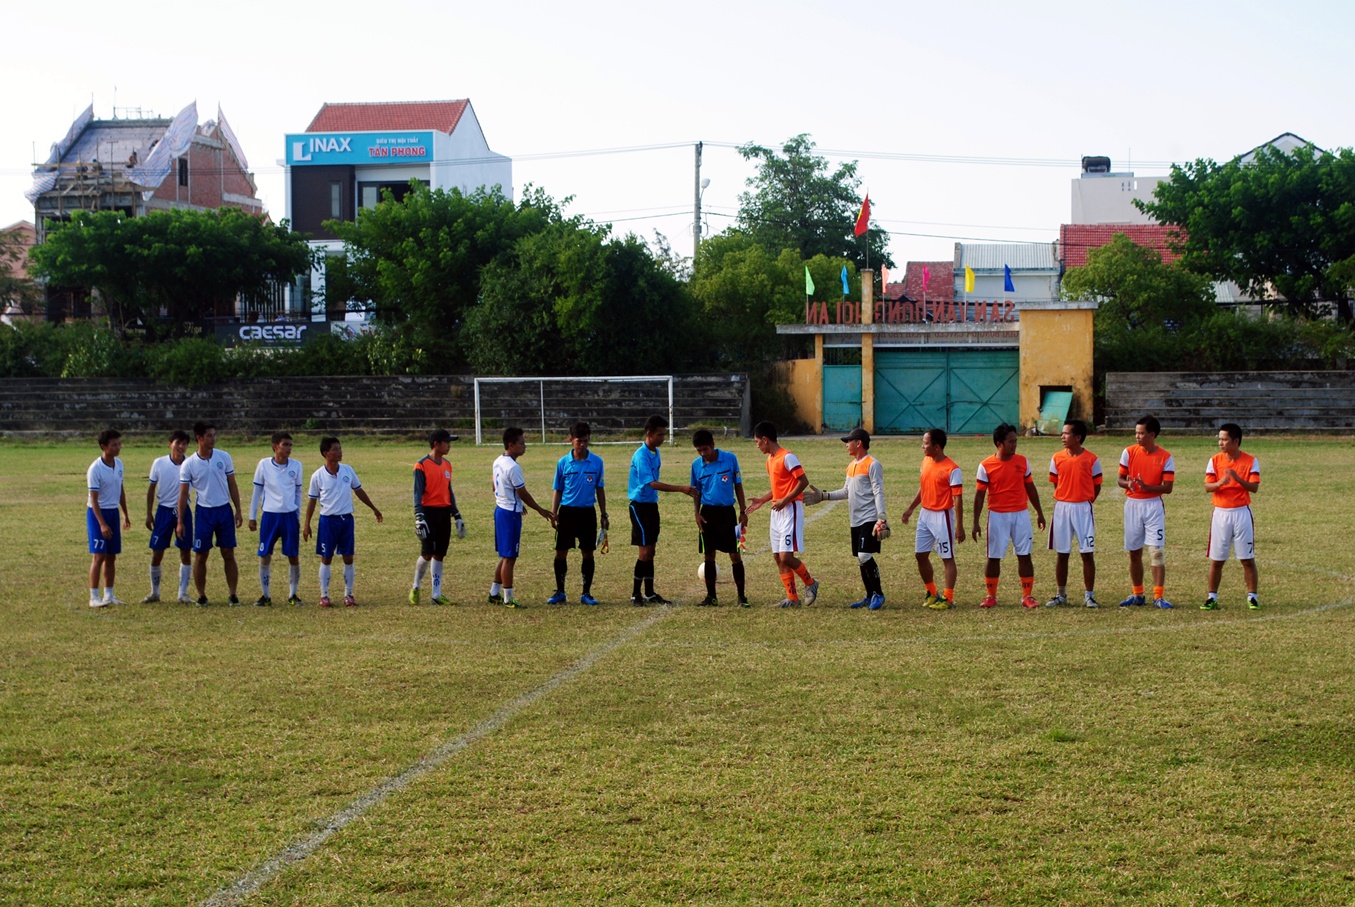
{"type": "Point", "coordinates": [863, 219]}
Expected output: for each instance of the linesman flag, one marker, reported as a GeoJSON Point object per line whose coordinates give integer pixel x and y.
{"type": "Point", "coordinates": [863, 218]}
{"type": "Point", "coordinates": [968, 279]}
{"type": "Point", "coordinates": [809, 283]}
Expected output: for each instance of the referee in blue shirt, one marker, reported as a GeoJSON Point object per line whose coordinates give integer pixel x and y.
{"type": "Point", "coordinates": [578, 485]}
{"type": "Point", "coordinates": [715, 473]}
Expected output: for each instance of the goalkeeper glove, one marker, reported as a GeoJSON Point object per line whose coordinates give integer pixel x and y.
{"type": "Point", "coordinates": [420, 526]}
{"type": "Point", "coordinates": [460, 528]}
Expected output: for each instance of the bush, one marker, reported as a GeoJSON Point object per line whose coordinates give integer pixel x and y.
{"type": "Point", "coordinates": [190, 361]}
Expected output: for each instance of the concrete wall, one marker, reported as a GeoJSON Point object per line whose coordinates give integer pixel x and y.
{"type": "Point", "coordinates": [803, 379]}
{"type": "Point", "coordinates": [1199, 401]}
{"type": "Point", "coordinates": [1056, 351]}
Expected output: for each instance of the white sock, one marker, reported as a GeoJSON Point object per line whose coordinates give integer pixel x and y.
{"type": "Point", "coordinates": [508, 593]}
{"type": "Point", "coordinates": [437, 578]}
{"type": "Point", "coordinates": [266, 579]}
{"type": "Point", "coordinates": [185, 576]}
{"type": "Point", "coordinates": [348, 573]}
{"type": "Point", "coordinates": [96, 594]}
{"type": "Point", "coordinates": [1088, 594]}
{"type": "Point", "coordinates": [324, 580]}
{"type": "Point", "coordinates": [155, 579]}
{"type": "Point", "coordinates": [495, 589]}
{"type": "Point", "coordinates": [108, 594]}
{"type": "Point", "coordinates": [420, 568]}
{"type": "Point", "coordinates": [293, 577]}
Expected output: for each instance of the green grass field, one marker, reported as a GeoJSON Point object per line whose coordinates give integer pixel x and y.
{"type": "Point", "coordinates": [390, 754]}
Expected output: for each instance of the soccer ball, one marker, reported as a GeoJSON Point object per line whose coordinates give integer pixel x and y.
{"type": "Point", "coordinates": [719, 576]}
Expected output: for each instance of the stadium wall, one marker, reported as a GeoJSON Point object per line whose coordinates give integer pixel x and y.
{"type": "Point", "coordinates": [1258, 401]}
{"type": "Point", "coordinates": [398, 405]}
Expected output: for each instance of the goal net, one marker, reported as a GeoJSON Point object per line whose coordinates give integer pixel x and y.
{"type": "Point", "coordinates": [548, 406]}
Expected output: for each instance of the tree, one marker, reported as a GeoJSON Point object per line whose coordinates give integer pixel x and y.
{"type": "Point", "coordinates": [569, 300]}
{"type": "Point", "coordinates": [794, 202]}
{"type": "Point", "coordinates": [419, 260]}
{"type": "Point", "coordinates": [1136, 289]}
{"type": "Point", "coordinates": [1277, 221]}
{"type": "Point", "coordinates": [170, 267]}
{"type": "Point", "coordinates": [17, 290]}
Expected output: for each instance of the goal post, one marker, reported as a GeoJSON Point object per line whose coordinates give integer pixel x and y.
{"type": "Point", "coordinates": [609, 403]}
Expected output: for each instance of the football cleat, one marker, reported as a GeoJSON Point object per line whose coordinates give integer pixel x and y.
{"type": "Point", "coordinates": [937, 602]}
{"type": "Point", "coordinates": [295, 600]}
{"type": "Point", "coordinates": [414, 595]}
{"type": "Point", "coordinates": [743, 602]}
{"type": "Point", "coordinates": [861, 604]}
{"type": "Point", "coordinates": [1210, 604]}
{"type": "Point", "coordinates": [710, 601]}
{"type": "Point", "coordinates": [1133, 600]}
{"type": "Point", "coordinates": [988, 602]}
{"type": "Point", "coordinates": [114, 600]}
{"type": "Point", "coordinates": [325, 602]}
{"type": "Point", "coordinates": [877, 601]}
{"type": "Point", "coordinates": [1089, 601]}
{"type": "Point", "coordinates": [638, 600]}
{"type": "Point", "coordinates": [811, 593]}
{"type": "Point", "coordinates": [1057, 601]}
{"type": "Point", "coordinates": [587, 599]}
{"type": "Point", "coordinates": [557, 599]}
{"type": "Point", "coordinates": [496, 600]}
{"type": "Point", "coordinates": [234, 599]}
{"type": "Point", "coordinates": [1028, 601]}
{"type": "Point", "coordinates": [202, 601]}
{"type": "Point", "coordinates": [513, 603]}
{"type": "Point", "coordinates": [263, 601]}
{"type": "Point", "coordinates": [150, 599]}
{"type": "Point", "coordinates": [1161, 603]}
{"type": "Point", "coordinates": [349, 601]}
{"type": "Point", "coordinates": [440, 600]}
{"type": "Point", "coordinates": [97, 602]}
{"type": "Point", "coordinates": [656, 599]}
{"type": "Point", "coordinates": [185, 600]}
{"type": "Point", "coordinates": [790, 603]}
{"type": "Point", "coordinates": [1253, 603]}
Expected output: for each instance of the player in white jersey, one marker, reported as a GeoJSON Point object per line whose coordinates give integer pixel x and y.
{"type": "Point", "coordinates": [106, 495]}
{"type": "Point", "coordinates": [162, 517]}
{"type": "Point", "coordinates": [334, 486]}
{"type": "Point", "coordinates": [510, 496]}
{"type": "Point", "coordinates": [277, 489]}
{"type": "Point", "coordinates": [211, 475]}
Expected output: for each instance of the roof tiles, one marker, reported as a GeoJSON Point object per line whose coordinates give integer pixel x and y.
{"type": "Point", "coordinates": [399, 115]}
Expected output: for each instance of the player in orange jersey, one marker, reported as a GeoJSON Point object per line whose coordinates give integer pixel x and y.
{"type": "Point", "coordinates": [788, 514]}
{"type": "Point", "coordinates": [940, 526]}
{"type": "Point", "coordinates": [1232, 477]}
{"type": "Point", "coordinates": [1076, 474]}
{"type": "Point", "coordinates": [1004, 479]}
{"type": "Point", "coordinates": [1146, 474]}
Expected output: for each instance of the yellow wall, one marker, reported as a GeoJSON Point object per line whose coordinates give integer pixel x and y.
{"type": "Point", "coordinates": [1056, 349]}
{"type": "Point", "coordinates": [803, 379]}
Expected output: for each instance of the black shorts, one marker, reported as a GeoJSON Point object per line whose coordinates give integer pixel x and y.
{"type": "Point", "coordinates": [721, 530]}
{"type": "Point", "coordinates": [439, 520]}
{"type": "Point", "coordinates": [644, 524]}
{"type": "Point", "coordinates": [864, 540]}
{"type": "Point", "coordinates": [576, 523]}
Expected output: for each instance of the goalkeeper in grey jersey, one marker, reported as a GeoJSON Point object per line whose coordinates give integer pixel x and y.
{"type": "Point", "coordinates": [864, 492]}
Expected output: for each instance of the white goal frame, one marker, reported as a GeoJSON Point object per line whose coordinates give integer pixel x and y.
{"type": "Point", "coordinates": [541, 393]}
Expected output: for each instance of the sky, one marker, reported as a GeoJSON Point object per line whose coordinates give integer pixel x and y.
{"type": "Point", "coordinates": [968, 120]}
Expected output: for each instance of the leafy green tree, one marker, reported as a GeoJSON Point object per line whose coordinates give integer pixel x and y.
{"type": "Point", "coordinates": [1281, 222]}
{"type": "Point", "coordinates": [1136, 289]}
{"type": "Point", "coordinates": [173, 267]}
{"type": "Point", "coordinates": [569, 300]}
{"type": "Point", "coordinates": [796, 202]}
{"type": "Point", "coordinates": [418, 261]}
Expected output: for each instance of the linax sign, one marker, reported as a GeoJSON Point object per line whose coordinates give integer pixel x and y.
{"type": "Point", "coordinates": [972, 311]}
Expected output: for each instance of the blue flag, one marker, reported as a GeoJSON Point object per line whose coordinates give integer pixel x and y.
{"type": "Point", "coordinates": [845, 288]}
{"type": "Point", "coordinates": [1007, 280]}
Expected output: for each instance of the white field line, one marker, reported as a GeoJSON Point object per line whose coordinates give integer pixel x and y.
{"type": "Point", "coordinates": [256, 878]}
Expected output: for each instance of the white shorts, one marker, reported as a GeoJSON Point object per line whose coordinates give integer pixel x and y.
{"type": "Point", "coordinates": [1073, 518]}
{"type": "Point", "coordinates": [936, 532]}
{"type": "Point", "coordinates": [1145, 523]}
{"type": "Point", "coordinates": [1232, 527]}
{"type": "Point", "coordinates": [788, 528]}
{"type": "Point", "coordinates": [1009, 529]}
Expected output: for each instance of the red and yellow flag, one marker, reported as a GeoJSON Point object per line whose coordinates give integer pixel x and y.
{"type": "Point", "coordinates": [863, 218]}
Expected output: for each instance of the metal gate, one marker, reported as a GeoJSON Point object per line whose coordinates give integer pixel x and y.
{"type": "Point", "coordinates": [841, 397]}
{"type": "Point", "coordinates": [962, 391]}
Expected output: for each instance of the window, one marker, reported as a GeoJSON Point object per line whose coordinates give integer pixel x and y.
{"type": "Point", "coordinates": [183, 171]}
{"type": "Point", "coordinates": [336, 200]}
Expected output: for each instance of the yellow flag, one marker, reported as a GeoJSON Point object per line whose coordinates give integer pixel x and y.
{"type": "Point", "coordinates": [968, 279]}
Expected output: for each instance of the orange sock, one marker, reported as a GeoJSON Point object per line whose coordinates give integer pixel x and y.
{"type": "Point", "coordinates": [1138, 590]}
{"type": "Point", "coordinates": [990, 583]}
{"type": "Point", "coordinates": [1159, 592]}
{"type": "Point", "coordinates": [1027, 585]}
{"type": "Point", "coordinates": [931, 588]}
{"type": "Point", "coordinates": [950, 596]}
{"type": "Point", "coordinates": [802, 572]}
{"type": "Point", "coordinates": [788, 580]}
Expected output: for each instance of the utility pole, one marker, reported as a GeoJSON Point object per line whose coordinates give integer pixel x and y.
{"type": "Point", "coordinates": [696, 227]}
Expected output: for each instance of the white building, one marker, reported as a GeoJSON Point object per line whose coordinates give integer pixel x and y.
{"type": "Point", "coordinates": [1101, 196]}
{"type": "Point", "coordinates": [350, 153]}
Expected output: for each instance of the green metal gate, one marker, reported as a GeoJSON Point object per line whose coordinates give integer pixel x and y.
{"type": "Point", "coordinates": [962, 391]}
{"type": "Point", "coordinates": [841, 397]}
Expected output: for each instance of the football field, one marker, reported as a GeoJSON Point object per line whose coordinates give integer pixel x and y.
{"type": "Point", "coordinates": [471, 754]}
